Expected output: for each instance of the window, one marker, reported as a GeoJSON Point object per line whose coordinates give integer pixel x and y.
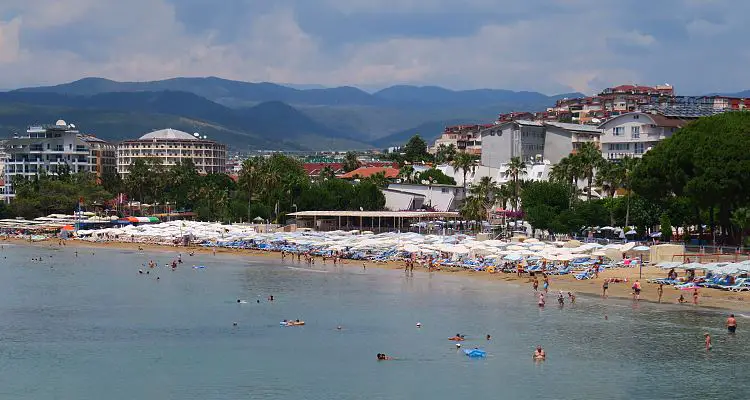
{"type": "Point", "coordinates": [639, 148]}
{"type": "Point", "coordinates": [619, 146]}
{"type": "Point", "coordinates": [635, 132]}
{"type": "Point", "coordinates": [618, 131]}
{"type": "Point", "coordinates": [636, 116]}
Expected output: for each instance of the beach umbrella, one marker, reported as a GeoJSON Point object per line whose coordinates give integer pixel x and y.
{"type": "Point", "coordinates": [627, 247]}
{"type": "Point", "coordinates": [631, 232]}
{"type": "Point", "coordinates": [258, 219]}
{"type": "Point", "coordinates": [513, 257]}
{"type": "Point", "coordinates": [641, 248]}
{"type": "Point", "coordinates": [572, 243]}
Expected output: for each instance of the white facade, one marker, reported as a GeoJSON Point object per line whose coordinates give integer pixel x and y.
{"type": "Point", "coordinates": [173, 146]}
{"type": "Point", "coordinates": [523, 139]}
{"type": "Point", "coordinates": [407, 196]}
{"type": "Point", "coordinates": [633, 134]}
{"type": "Point", "coordinates": [44, 149]}
{"type": "Point", "coordinates": [561, 139]}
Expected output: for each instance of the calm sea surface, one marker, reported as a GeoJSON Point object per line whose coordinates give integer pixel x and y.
{"type": "Point", "coordinates": [91, 327]}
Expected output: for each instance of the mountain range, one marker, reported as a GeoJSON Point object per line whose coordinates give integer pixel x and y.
{"type": "Point", "coordinates": [249, 116]}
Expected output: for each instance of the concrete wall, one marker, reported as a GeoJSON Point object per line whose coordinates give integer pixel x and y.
{"type": "Point", "coordinates": [558, 144]}
{"type": "Point", "coordinates": [497, 145]}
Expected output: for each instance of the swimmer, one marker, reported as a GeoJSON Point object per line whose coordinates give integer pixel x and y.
{"type": "Point", "coordinates": [572, 297]}
{"type": "Point", "coordinates": [234, 324]}
{"type": "Point", "coordinates": [539, 354]}
{"type": "Point", "coordinates": [458, 345]}
{"type": "Point", "coordinates": [489, 337]}
{"type": "Point", "coordinates": [708, 341]}
{"type": "Point", "coordinates": [541, 300]}
{"type": "Point", "coordinates": [419, 324]}
{"type": "Point", "coordinates": [157, 278]}
{"type": "Point", "coordinates": [731, 324]}
{"type": "Point", "coordinates": [338, 327]}
{"type": "Point", "coordinates": [140, 271]}
{"type": "Point", "coordinates": [258, 301]}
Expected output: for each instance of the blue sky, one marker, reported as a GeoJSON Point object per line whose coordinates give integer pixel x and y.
{"type": "Point", "coordinates": [551, 46]}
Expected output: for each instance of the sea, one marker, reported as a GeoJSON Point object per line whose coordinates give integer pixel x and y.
{"type": "Point", "coordinates": [90, 326]}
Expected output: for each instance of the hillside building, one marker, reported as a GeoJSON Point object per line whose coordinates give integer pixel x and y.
{"type": "Point", "coordinates": [173, 146]}
{"type": "Point", "coordinates": [633, 134]}
{"type": "Point", "coordinates": [465, 138]}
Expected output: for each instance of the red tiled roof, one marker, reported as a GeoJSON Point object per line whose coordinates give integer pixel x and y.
{"type": "Point", "coordinates": [366, 172]}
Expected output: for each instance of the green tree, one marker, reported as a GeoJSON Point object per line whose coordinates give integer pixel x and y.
{"type": "Point", "coordinates": [406, 173]}
{"type": "Point", "coordinates": [464, 162]}
{"type": "Point", "coordinates": [707, 162]}
{"type": "Point", "coordinates": [514, 171]}
{"type": "Point", "coordinates": [543, 204]}
{"type": "Point", "coordinates": [436, 177]}
{"type": "Point", "coordinates": [590, 160]}
{"type": "Point", "coordinates": [445, 154]}
{"type": "Point", "coordinates": [741, 220]}
{"type": "Point", "coordinates": [415, 150]}
{"type": "Point", "coordinates": [351, 162]}
{"type": "Point", "coordinates": [665, 227]}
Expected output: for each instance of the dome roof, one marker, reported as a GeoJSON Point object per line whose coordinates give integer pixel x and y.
{"type": "Point", "coordinates": [168, 133]}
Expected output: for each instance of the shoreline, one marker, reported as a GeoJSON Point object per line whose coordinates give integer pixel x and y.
{"type": "Point", "coordinates": [714, 299]}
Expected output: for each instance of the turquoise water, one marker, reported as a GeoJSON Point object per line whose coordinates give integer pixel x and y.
{"type": "Point", "coordinates": [91, 327]}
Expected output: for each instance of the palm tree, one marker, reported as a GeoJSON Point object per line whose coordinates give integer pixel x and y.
{"type": "Point", "coordinates": [472, 209]}
{"type": "Point", "coordinates": [463, 162]}
{"type": "Point", "coordinates": [591, 159]}
{"type": "Point", "coordinates": [351, 162]}
{"type": "Point", "coordinates": [610, 177]}
{"type": "Point", "coordinates": [514, 170]}
{"type": "Point", "coordinates": [406, 173]}
{"type": "Point", "coordinates": [741, 219]}
{"type": "Point", "coordinates": [628, 166]}
{"type": "Point", "coordinates": [486, 191]}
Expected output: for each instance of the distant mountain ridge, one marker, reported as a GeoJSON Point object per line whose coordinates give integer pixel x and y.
{"type": "Point", "coordinates": [269, 115]}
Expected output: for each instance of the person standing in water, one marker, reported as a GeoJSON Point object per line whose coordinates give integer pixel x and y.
{"type": "Point", "coordinates": [636, 290]}
{"type": "Point", "coordinates": [695, 296]}
{"type": "Point", "coordinates": [546, 283]}
{"type": "Point", "coordinates": [660, 291]}
{"type": "Point", "coordinates": [708, 341]}
{"type": "Point", "coordinates": [535, 285]}
{"type": "Point", "coordinates": [731, 324]}
{"type": "Point", "coordinates": [541, 300]}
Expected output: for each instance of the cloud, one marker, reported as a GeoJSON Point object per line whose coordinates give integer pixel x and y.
{"type": "Point", "coordinates": [549, 46]}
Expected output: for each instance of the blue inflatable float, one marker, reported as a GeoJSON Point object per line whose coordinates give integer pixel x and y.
{"type": "Point", "coordinates": [475, 353]}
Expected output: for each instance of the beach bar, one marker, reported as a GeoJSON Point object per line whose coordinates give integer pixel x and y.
{"type": "Point", "coordinates": [375, 221]}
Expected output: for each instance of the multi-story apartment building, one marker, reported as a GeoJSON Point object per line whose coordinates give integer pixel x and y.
{"type": "Point", "coordinates": [633, 134]}
{"type": "Point", "coordinates": [45, 149]}
{"type": "Point", "coordinates": [506, 140]}
{"type": "Point", "coordinates": [104, 155]}
{"type": "Point", "coordinates": [173, 146]}
{"type": "Point", "coordinates": [465, 138]}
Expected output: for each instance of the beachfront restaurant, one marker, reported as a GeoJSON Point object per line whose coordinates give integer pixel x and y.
{"type": "Point", "coordinates": [377, 221]}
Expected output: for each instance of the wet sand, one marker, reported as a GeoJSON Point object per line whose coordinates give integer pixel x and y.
{"type": "Point", "coordinates": [708, 298]}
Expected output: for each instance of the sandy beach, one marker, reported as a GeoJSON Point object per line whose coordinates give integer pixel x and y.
{"type": "Point", "coordinates": [708, 298]}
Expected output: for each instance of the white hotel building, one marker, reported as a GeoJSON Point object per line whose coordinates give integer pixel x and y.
{"type": "Point", "coordinates": [633, 134]}
{"type": "Point", "coordinates": [45, 148]}
{"type": "Point", "coordinates": [173, 146]}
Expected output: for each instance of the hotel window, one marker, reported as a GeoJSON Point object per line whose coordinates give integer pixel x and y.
{"type": "Point", "coordinates": [635, 132]}
{"type": "Point", "coordinates": [639, 148]}
{"type": "Point", "coordinates": [618, 131]}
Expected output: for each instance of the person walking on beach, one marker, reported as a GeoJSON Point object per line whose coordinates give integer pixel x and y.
{"type": "Point", "coordinates": [546, 283]}
{"type": "Point", "coordinates": [660, 291]}
{"type": "Point", "coordinates": [636, 290]}
{"type": "Point", "coordinates": [605, 286]}
{"type": "Point", "coordinates": [695, 296]}
{"type": "Point", "coordinates": [708, 341]}
{"type": "Point", "coordinates": [731, 324]}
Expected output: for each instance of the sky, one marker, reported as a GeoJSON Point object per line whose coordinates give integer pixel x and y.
{"type": "Point", "coordinates": [550, 46]}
